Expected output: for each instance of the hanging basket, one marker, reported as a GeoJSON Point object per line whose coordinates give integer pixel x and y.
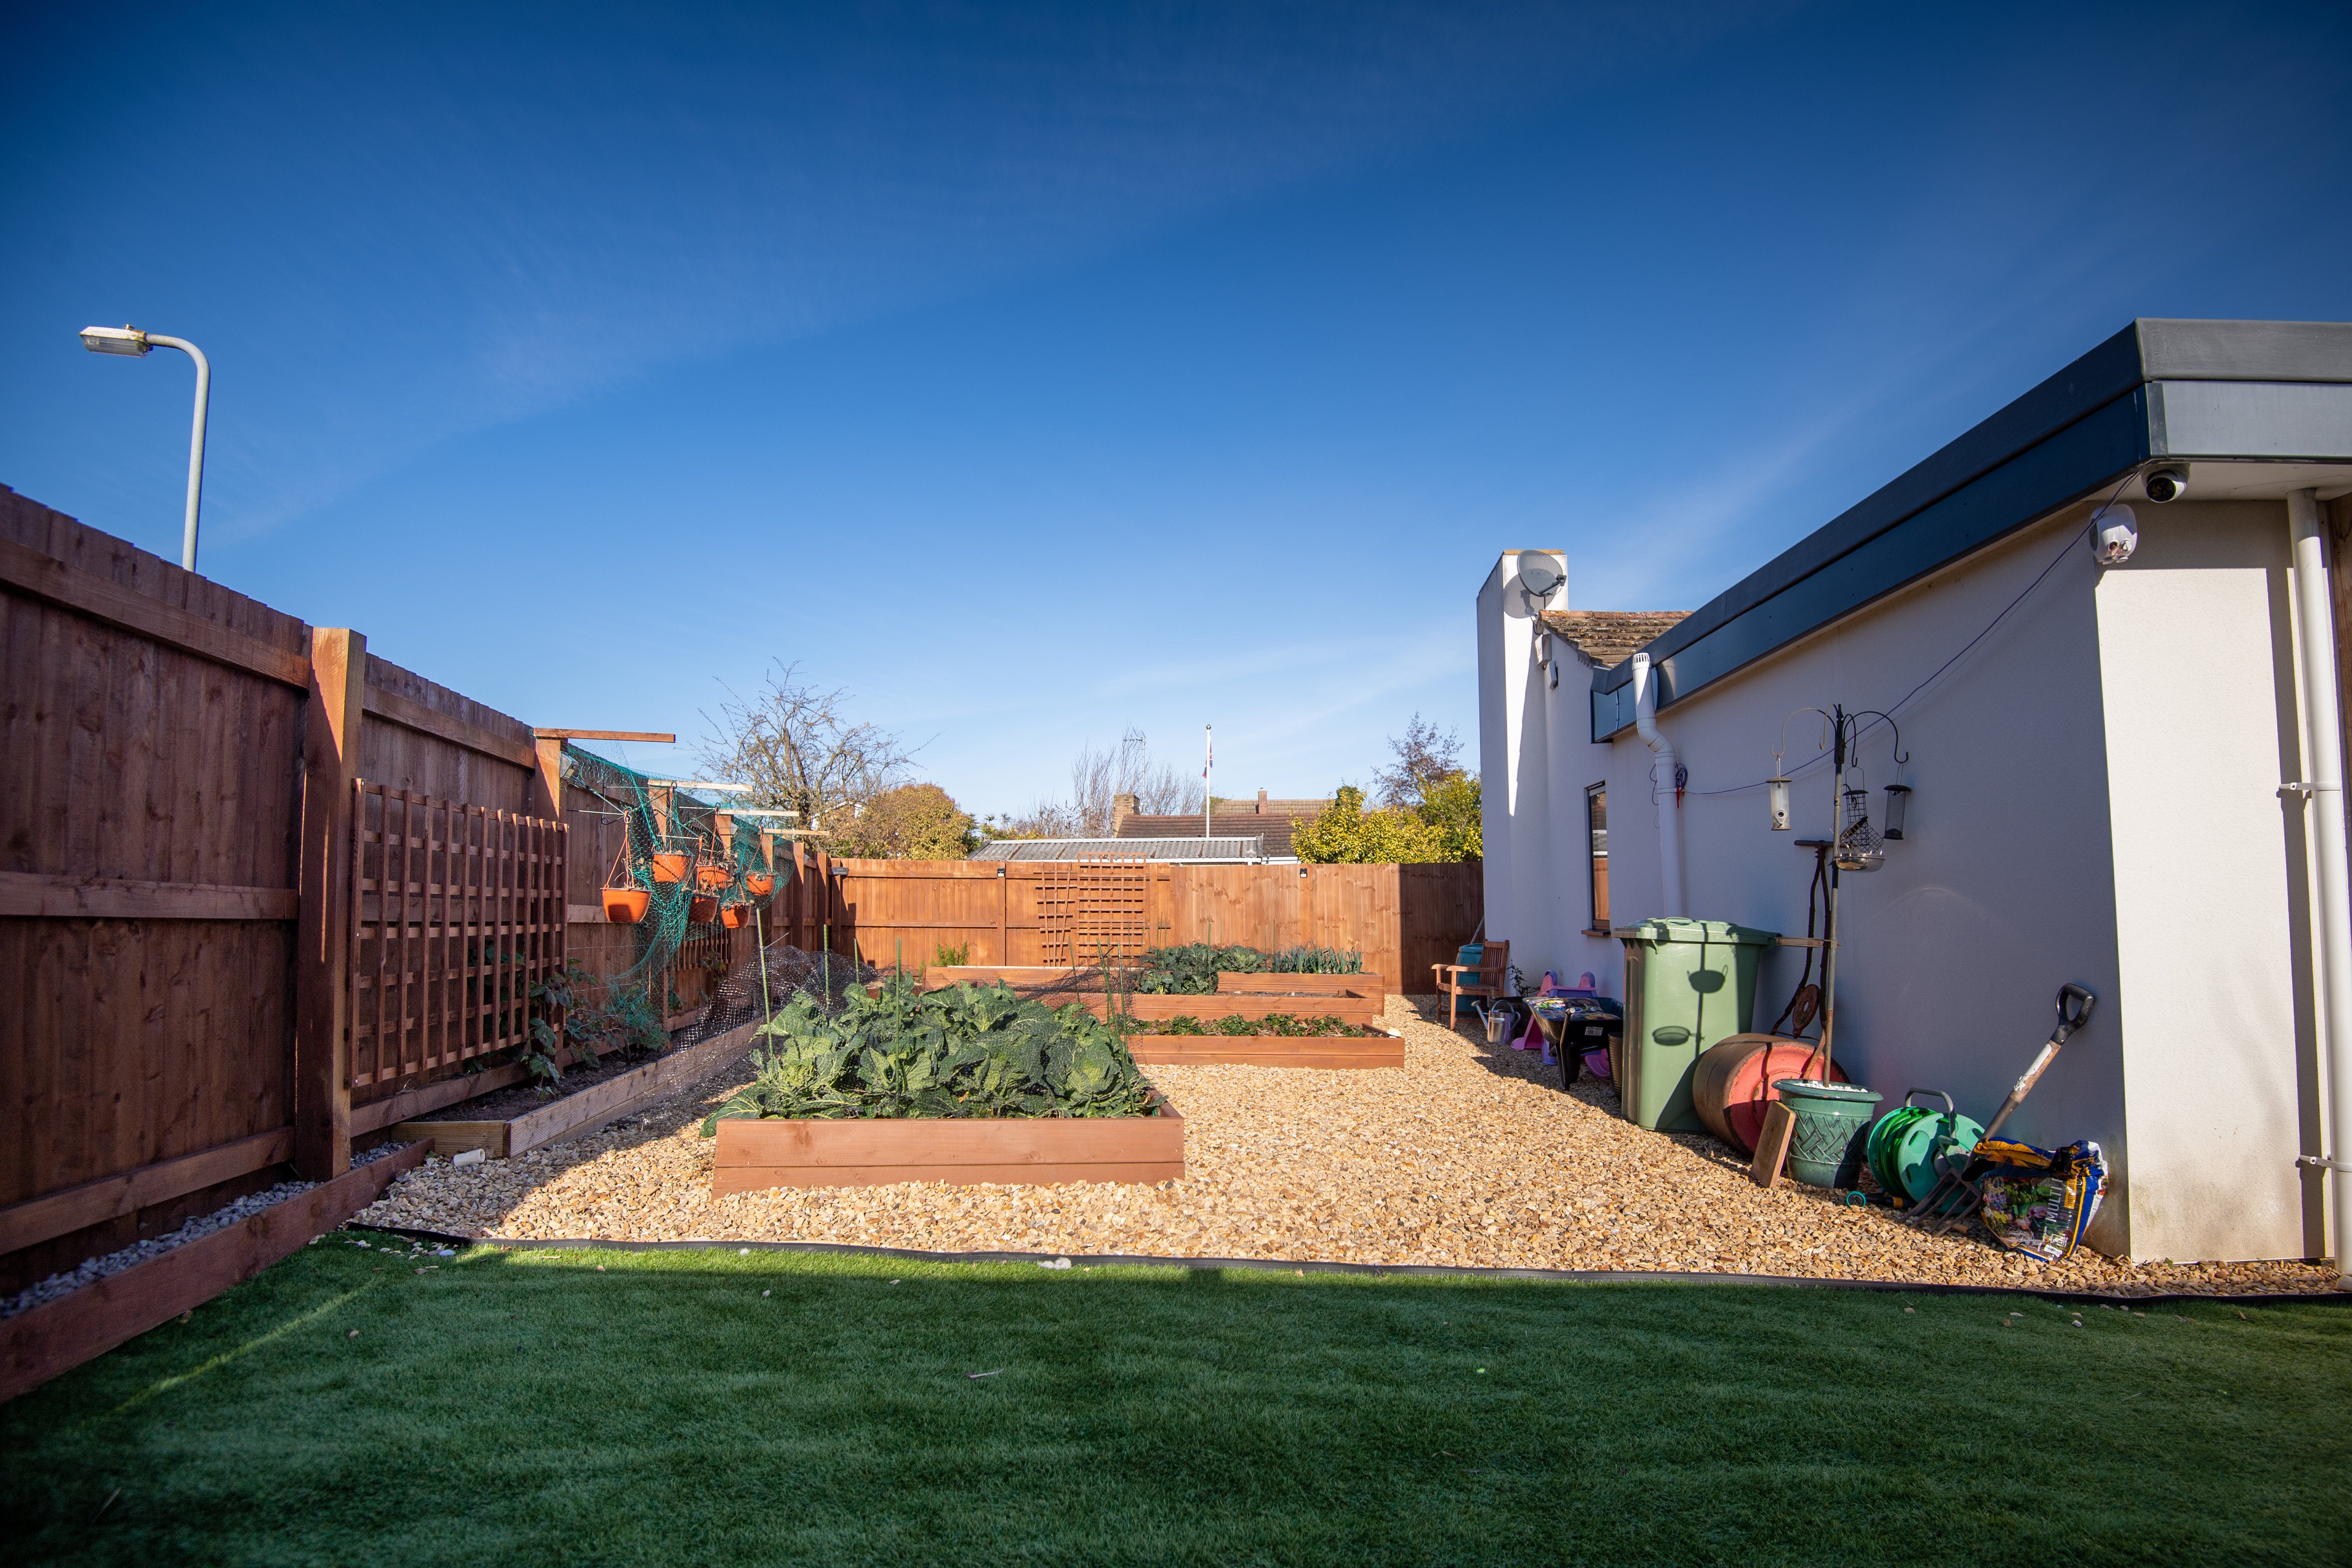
{"type": "Point", "coordinates": [670, 867]}
{"type": "Point", "coordinates": [734, 917]}
{"type": "Point", "coordinates": [701, 910]}
{"type": "Point", "coordinates": [626, 906]}
{"type": "Point", "coordinates": [710, 879]}
{"type": "Point", "coordinates": [760, 884]}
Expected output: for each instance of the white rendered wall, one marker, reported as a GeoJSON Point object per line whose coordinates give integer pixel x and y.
{"type": "Point", "coordinates": [2004, 888]}
{"type": "Point", "coordinates": [1514, 785]}
{"type": "Point", "coordinates": [2196, 657]}
{"type": "Point", "coordinates": [2096, 802]}
{"type": "Point", "coordinates": [1576, 762]}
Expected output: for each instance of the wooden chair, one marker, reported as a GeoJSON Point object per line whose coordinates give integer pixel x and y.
{"type": "Point", "coordinates": [1490, 977]}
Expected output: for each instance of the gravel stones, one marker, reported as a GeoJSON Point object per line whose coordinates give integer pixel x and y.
{"type": "Point", "coordinates": [1467, 1157]}
{"type": "Point", "coordinates": [138, 1252]}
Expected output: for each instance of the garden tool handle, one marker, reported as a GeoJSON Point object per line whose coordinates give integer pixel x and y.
{"type": "Point", "coordinates": [2069, 1020]}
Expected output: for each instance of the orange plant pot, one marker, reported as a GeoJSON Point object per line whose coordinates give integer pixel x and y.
{"type": "Point", "coordinates": [734, 917]}
{"type": "Point", "coordinates": [702, 910]}
{"type": "Point", "coordinates": [626, 906]}
{"type": "Point", "coordinates": [670, 867]}
{"type": "Point", "coordinates": [759, 884]}
{"type": "Point", "coordinates": [710, 879]}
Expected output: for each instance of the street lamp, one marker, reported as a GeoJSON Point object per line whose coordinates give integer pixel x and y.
{"type": "Point", "coordinates": [129, 339]}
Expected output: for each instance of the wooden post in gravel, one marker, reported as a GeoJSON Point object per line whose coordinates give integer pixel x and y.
{"type": "Point", "coordinates": [1772, 1145]}
{"type": "Point", "coordinates": [331, 761]}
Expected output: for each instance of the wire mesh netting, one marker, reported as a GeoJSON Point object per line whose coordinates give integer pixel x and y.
{"type": "Point", "coordinates": [698, 882]}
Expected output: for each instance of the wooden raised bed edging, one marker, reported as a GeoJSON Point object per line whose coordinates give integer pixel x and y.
{"type": "Point", "coordinates": [58, 1336]}
{"type": "Point", "coordinates": [589, 1109]}
{"type": "Point", "coordinates": [755, 1155]}
{"type": "Point", "coordinates": [1374, 985]}
{"type": "Point", "coordinates": [1385, 1049]}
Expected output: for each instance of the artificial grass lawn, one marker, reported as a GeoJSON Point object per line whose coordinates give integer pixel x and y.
{"type": "Point", "coordinates": [511, 1408]}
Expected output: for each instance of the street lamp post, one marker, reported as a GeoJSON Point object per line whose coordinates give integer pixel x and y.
{"type": "Point", "coordinates": [129, 339]}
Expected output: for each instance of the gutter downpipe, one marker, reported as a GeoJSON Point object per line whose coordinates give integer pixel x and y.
{"type": "Point", "coordinates": [2324, 744]}
{"type": "Point", "coordinates": [1669, 798]}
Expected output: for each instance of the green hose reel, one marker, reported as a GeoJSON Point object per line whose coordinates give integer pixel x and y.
{"type": "Point", "coordinates": [1913, 1146]}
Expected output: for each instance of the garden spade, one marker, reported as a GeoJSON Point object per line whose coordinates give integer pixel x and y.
{"type": "Point", "coordinates": [1952, 1199]}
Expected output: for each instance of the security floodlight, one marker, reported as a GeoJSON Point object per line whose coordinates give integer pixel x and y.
{"type": "Point", "coordinates": [124, 340]}
{"type": "Point", "coordinates": [127, 339]}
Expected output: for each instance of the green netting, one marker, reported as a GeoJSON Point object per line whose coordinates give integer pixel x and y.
{"type": "Point", "coordinates": [695, 867]}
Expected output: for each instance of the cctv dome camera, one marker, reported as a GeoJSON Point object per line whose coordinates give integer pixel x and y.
{"type": "Point", "coordinates": [2166, 484]}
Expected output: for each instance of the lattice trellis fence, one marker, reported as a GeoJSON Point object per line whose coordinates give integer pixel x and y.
{"type": "Point", "coordinates": [1090, 911]}
{"type": "Point", "coordinates": [457, 912]}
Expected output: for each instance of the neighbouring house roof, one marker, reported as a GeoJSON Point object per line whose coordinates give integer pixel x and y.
{"type": "Point", "coordinates": [2254, 408]}
{"type": "Point", "coordinates": [1608, 637]}
{"type": "Point", "coordinates": [1272, 821]}
{"type": "Point", "coordinates": [1194, 850]}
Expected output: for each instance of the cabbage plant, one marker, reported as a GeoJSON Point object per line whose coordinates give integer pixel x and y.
{"type": "Point", "coordinates": [970, 1051]}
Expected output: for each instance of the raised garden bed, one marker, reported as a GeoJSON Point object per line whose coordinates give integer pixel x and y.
{"type": "Point", "coordinates": [756, 1154]}
{"type": "Point", "coordinates": [1264, 984]}
{"type": "Point", "coordinates": [607, 1100]}
{"type": "Point", "coordinates": [1359, 1047]}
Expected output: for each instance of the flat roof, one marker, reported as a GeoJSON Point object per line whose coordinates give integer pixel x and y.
{"type": "Point", "coordinates": [2235, 392]}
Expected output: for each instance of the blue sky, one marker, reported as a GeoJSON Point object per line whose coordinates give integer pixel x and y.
{"type": "Point", "coordinates": [1038, 372]}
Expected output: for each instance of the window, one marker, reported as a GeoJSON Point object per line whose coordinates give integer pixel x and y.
{"type": "Point", "coordinates": [1596, 823]}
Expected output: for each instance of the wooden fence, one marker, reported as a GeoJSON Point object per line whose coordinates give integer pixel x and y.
{"type": "Point", "coordinates": [1401, 917]}
{"type": "Point", "coordinates": [261, 893]}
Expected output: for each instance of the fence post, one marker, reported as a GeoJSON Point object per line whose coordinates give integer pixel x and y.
{"type": "Point", "coordinates": [330, 760]}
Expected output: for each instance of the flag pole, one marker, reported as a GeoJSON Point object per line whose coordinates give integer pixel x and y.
{"type": "Point", "coordinates": [1208, 762]}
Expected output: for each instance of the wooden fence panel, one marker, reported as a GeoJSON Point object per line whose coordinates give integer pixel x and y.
{"type": "Point", "coordinates": [159, 784]}
{"type": "Point", "coordinates": [1439, 908]}
{"type": "Point", "coordinates": [1398, 917]}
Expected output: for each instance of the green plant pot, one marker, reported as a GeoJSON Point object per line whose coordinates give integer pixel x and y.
{"type": "Point", "coordinates": [1833, 1126]}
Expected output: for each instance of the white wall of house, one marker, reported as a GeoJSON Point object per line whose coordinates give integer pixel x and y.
{"type": "Point", "coordinates": [2198, 683]}
{"type": "Point", "coordinates": [2096, 800]}
{"type": "Point", "coordinates": [1514, 784]}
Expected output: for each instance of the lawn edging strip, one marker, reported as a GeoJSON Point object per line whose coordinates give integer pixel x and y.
{"type": "Point", "coordinates": [1305, 1266]}
{"type": "Point", "coordinates": [58, 1336]}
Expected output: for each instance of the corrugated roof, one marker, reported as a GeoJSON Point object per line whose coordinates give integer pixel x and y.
{"type": "Point", "coordinates": [1171, 849]}
{"type": "Point", "coordinates": [1275, 824]}
{"type": "Point", "coordinates": [1609, 637]}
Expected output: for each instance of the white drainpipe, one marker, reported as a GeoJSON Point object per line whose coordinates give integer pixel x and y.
{"type": "Point", "coordinates": [1670, 810]}
{"type": "Point", "coordinates": [2324, 788]}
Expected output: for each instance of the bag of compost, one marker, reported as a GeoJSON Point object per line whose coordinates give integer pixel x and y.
{"type": "Point", "coordinates": [2038, 1200]}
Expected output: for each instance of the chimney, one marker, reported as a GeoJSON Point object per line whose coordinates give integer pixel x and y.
{"type": "Point", "coordinates": [1122, 806]}
{"type": "Point", "coordinates": [1261, 802]}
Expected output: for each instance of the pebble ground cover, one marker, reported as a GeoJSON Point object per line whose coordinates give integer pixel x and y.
{"type": "Point", "coordinates": [1470, 1155]}
{"type": "Point", "coordinates": [388, 1405]}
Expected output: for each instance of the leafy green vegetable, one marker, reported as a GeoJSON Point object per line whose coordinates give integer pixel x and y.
{"type": "Point", "coordinates": [1271, 1023]}
{"type": "Point", "coordinates": [1316, 961]}
{"type": "Point", "coordinates": [967, 1052]}
{"type": "Point", "coordinates": [1192, 969]}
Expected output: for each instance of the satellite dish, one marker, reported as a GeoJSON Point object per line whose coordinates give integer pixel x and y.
{"type": "Point", "coordinates": [1539, 577]}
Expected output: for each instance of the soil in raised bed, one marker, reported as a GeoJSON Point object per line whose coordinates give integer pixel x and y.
{"type": "Point", "coordinates": [522, 1099]}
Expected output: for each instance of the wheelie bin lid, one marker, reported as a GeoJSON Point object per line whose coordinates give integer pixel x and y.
{"type": "Point", "coordinates": [1675, 927]}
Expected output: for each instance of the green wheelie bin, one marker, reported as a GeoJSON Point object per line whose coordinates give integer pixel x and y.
{"type": "Point", "coordinates": [1688, 983]}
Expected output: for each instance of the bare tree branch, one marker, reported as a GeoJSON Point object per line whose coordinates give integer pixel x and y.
{"type": "Point", "coordinates": [794, 749]}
